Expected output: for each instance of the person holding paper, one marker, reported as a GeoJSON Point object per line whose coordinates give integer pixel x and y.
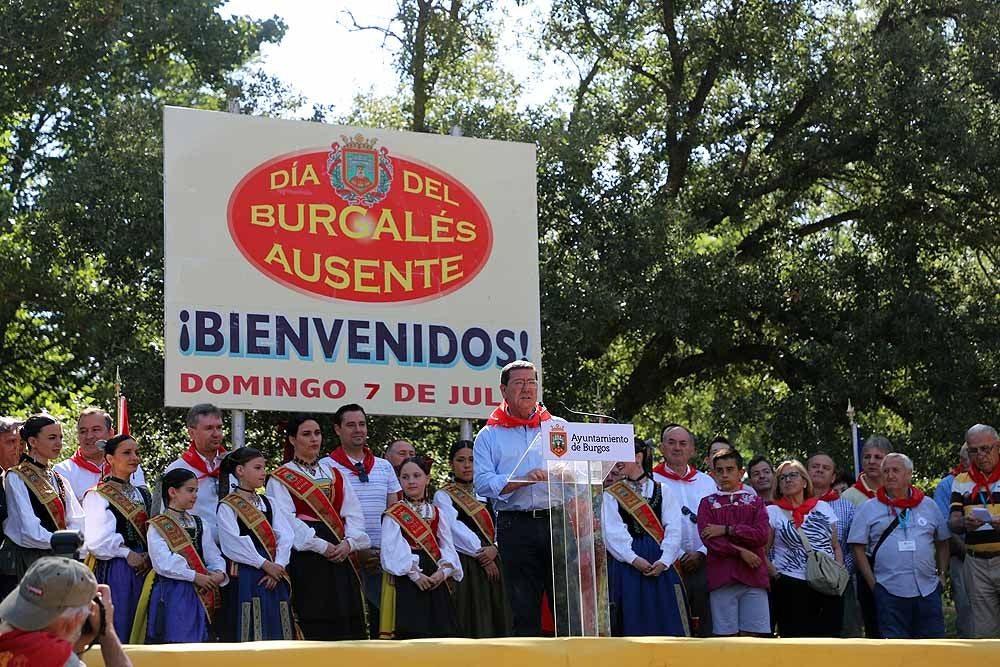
{"type": "Point", "coordinates": [902, 534]}
{"type": "Point", "coordinates": [523, 534]}
{"type": "Point", "coordinates": [975, 512]}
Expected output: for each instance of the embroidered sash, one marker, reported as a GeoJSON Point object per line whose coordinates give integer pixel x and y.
{"type": "Point", "coordinates": [416, 529]}
{"type": "Point", "coordinates": [638, 508]}
{"type": "Point", "coordinates": [180, 543]}
{"type": "Point", "coordinates": [476, 510]}
{"type": "Point", "coordinates": [39, 486]}
{"type": "Point", "coordinates": [134, 513]}
{"type": "Point", "coordinates": [255, 521]}
{"type": "Point", "coordinates": [305, 489]}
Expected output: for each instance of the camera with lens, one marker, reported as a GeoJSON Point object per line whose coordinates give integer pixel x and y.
{"type": "Point", "coordinates": [67, 544]}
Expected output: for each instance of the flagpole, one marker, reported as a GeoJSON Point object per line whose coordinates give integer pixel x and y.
{"type": "Point", "coordinates": [118, 399]}
{"type": "Point", "coordinates": [854, 438]}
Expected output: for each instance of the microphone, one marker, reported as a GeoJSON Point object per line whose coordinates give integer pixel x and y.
{"type": "Point", "coordinates": [566, 408]}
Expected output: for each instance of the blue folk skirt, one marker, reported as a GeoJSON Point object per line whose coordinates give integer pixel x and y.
{"type": "Point", "coordinates": [647, 606]}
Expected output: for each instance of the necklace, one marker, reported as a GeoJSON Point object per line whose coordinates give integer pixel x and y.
{"type": "Point", "coordinates": [311, 468]}
{"type": "Point", "coordinates": [254, 497]}
{"type": "Point", "coordinates": [130, 491]}
{"type": "Point", "coordinates": [183, 518]}
{"type": "Point", "coordinates": [421, 507]}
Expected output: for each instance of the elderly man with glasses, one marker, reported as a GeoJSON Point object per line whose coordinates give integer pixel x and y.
{"type": "Point", "coordinates": [975, 511]}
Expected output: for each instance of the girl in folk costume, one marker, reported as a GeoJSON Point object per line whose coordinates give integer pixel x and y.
{"type": "Point", "coordinates": [419, 561]}
{"type": "Point", "coordinates": [40, 501]}
{"type": "Point", "coordinates": [328, 529]}
{"type": "Point", "coordinates": [642, 532]}
{"type": "Point", "coordinates": [480, 598]}
{"type": "Point", "coordinates": [257, 543]}
{"type": "Point", "coordinates": [189, 568]}
{"type": "Point", "coordinates": [115, 531]}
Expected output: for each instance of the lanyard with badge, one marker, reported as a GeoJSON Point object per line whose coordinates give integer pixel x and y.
{"type": "Point", "coordinates": [905, 544]}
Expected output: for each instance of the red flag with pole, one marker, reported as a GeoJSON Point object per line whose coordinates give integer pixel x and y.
{"type": "Point", "coordinates": [122, 406]}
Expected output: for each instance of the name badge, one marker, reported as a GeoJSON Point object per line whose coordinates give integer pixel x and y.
{"type": "Point", "coordinates": [907, 545]}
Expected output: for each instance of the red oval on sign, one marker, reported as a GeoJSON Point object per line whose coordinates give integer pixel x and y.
{"type": "Point", "coordinates": [359, 224]}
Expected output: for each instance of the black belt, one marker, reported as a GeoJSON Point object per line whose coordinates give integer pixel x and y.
{"type": "Point", "coordinates": [983, 555]}
{"type": "Point", "coordinates": [526, 514]}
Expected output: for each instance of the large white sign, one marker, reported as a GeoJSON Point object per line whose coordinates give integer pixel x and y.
{"type": "Point", "coordinates": [572, 441]}
{"type": "Point", "coordinates": [310, 265]}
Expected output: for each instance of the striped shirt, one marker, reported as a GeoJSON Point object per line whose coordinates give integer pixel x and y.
{"type": "Point", "coordinates": [381, 482]}
{"type": "Point", "coordinates": [986, 538]}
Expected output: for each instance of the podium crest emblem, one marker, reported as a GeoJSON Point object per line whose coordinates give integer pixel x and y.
{"type": "Point", "coordinates": [558, 440]}
{"type": "Point", "coordinates": [360, 172]}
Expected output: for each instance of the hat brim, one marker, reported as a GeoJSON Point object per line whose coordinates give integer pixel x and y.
{"type": "Point", "coordinates": [25, 615]}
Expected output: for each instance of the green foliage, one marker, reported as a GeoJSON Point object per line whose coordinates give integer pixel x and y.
{"type": "Point", "coordinates": [749, 211]}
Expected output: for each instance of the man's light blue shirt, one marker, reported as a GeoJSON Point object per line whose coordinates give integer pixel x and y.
{"type": "Point", "coordinates": [496, 455]}
{"type": "Point", "coordinates": [942, 495]}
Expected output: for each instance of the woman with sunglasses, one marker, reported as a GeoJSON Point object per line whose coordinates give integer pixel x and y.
{"type": "Point", "coordinates": [802, 611]}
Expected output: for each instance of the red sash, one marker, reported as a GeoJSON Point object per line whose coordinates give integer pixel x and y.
{"type": "Point", "coordinates": [180, 543]}
{"type": "Point", "coordinates": [476, 510]}
{"type": "Point", "coordinates": [638, 508]}
{"type": "Point", "coordinates": [306, 490]}
{"type": "Point", "coordinates": [416, 529]}
{"type": "Point", "coordinates": [798, 513]}
{"type": "Point", "coordinates": [79, 459]}
{"type": "Point", "coordinates": [982, 482]}
{"type": "Point", "coordinates": [501, 417]}
{"type": "Point", "coordinates": [134, 513]}
{"type": "Point", "coordinates": [912, 500]}
{"type": "Point", "coordinates": [341, 457]}
{"type": "Point", "coordinates": [687, 477]}
{"type": "Point", "coordinates": [193, 459]}
{"type": "Point", "coordinates": [39, 486]}
{"type": "Point", "coordinates": [862, 486]}
{"type": "Point", "coordinates": [19, 648]}
{"type": "Point", "coordinates": [255, 521]}
{"type": "Point", "coordinates": [830, 496]}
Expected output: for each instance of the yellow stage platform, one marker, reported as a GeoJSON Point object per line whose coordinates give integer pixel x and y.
{"type": "Point", "coordinates": [585, 652]}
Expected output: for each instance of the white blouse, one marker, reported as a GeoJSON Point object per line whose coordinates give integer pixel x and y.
{"type": "Point", "coordinates": [241, 549]}
{"type": "Point", "coordinates": [467, 541]}
{"type": "Point", "coordinates": [398, 559]}
{"type": "Point", "coordinates": [618, 540]}
{"type": "Point", "coordinates": [305, 537]}
{"type": "Point", "coordinates": [100, 532]}
{"type": "Point", "coordinates": [22, 526]}
{"type": "Point", "coordinates": [173, 566]}
{"type": "Point", "coordinates": [84, 480]}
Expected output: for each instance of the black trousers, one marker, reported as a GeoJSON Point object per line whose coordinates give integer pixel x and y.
{"type": "Point", "coordinates": [804, 612]}
{"type": "Point", "coordinates": [866, 599]}
{"type": "Point", "coordinates": [525, 545]}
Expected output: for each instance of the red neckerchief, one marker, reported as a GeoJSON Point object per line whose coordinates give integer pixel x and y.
{"type": "Point", "coordinates": [862, 486]}
{"type": "Point", "coordinates": [687, 477]}
{"type": "Point", "coordinates": [830, 496]}
{"type": "Point", "coordinates": [341, 457]}
{"type": "Point", "coordinates": [37, 648]}
{"type": "Point", "coordinates": [502, 417]}
{"type": "Point", "coordinates": [912, 500]}
{"type": "Point", "coordinates": [798, 513]}
{"type": "Point", "coordinates": [194, 459]}
{"type": "Point", "coordinates": [982, 482]}
{"type": "Point", "coordinates": [958, 470]}
{"type": "Point", "coordinates": [79, 459]}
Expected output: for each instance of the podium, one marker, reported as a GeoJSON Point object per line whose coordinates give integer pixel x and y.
{"type": "Point", "coordinates": [576, 458]}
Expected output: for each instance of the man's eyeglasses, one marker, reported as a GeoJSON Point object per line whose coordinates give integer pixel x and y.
{"type": "Point", "coordinates": [977, 451]}
{"type": "Point", "coordinates": [362, 473]}
{"type": "Point", "coordinates": [789, 475]}
{"type": "Point", "coordinates": [689, 514]}
{"type": "Point", "coordinates": [518, 384]}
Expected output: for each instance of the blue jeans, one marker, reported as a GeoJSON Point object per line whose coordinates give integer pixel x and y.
{"type": "Point", "coordinates": [909, 618]}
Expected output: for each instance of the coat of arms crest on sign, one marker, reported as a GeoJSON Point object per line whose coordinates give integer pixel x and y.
{"type": "Point", "coordinates": [557, 440]}
{"type": "Point", "coordinates": [360, 172]}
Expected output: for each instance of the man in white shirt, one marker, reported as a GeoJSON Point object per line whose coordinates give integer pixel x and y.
{"type": "Point", "coordinates": [87, 467]}
{"type": "Point", "coordinates": [203, 457]}
{"type": "Point", "coordinates": [375, 484]}
{"type": "Point", "coordinates": [688, 486]}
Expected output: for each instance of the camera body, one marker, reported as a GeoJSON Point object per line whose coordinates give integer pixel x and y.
{"type": "Point", "coordinates": [67, 544]}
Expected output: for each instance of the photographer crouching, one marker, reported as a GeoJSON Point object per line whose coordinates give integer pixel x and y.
{"type": "Point", "coordinates": [58, 612]}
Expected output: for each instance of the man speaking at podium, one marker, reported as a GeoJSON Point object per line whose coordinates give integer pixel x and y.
{"type": "Point", "coordinates": [523, 537]}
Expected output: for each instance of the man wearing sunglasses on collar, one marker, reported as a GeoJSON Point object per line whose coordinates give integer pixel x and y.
{"type": "Point", "coordinates": [374, 482]}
